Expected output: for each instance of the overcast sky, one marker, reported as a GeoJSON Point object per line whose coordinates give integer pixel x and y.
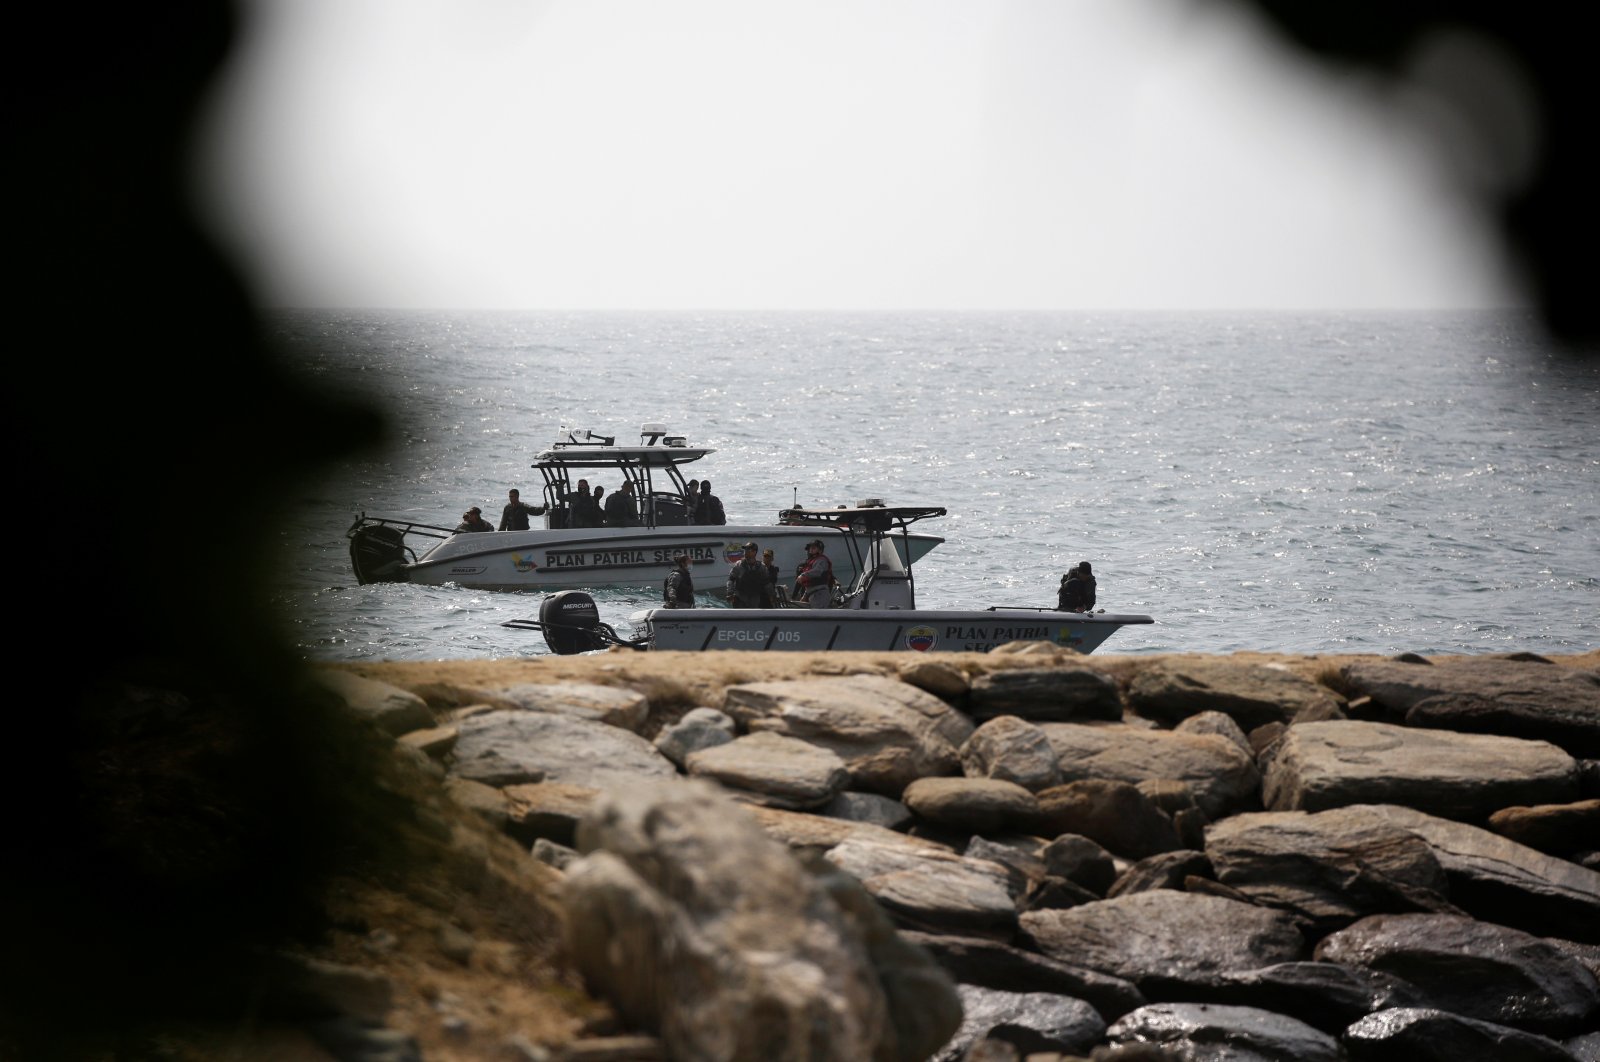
{"type": "Point", "coordinates": [877, 154]}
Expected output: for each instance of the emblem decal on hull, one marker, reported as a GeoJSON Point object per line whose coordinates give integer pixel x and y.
{"type": "Point", "coordinates": [1064, 636]}
{"type": "Point", "coordinates": [732, 552]}
{"type": "Point", "coordinates": [922, 638]}
{"type": "Point", "coordinates": [524, 564]}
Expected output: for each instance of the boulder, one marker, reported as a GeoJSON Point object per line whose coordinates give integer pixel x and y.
{"type": "Point", "coordinates": [1318, 766]}
{"type": "Point", "coordinates": [1498, 880]}
{"type": "Point", "coordinates": [1469, 967]}
{"type": "Point", "coordinates": [1517, 698]}
{"type": "Point", "coordinates": [700, 728]}
{"type": "Point", "coordinates": [1163, 940]}
{"type": "Point", "coordinates": [1222, 777]}
{"type": "Point", "coordinates": [1045, 694]}
{"type": "Point", "coordinates": [887, 732]}
{"type": "Point", "coordinates": [1011, 749]}
{"type": "Point", "coordinates": [703, 931]}
{"type": "Point", "coordinates": [1329, 867]}
{"type": "Point", "coordinates": [1199, 1030]}
{"type": "Point", "coordinates": [1113, 814]}
{"type": "Point", "coordinates": [1251, 694]}
{"type": "Point", "coordinates": [507, 746]}
{"type": "Point", "coordinates": [1032, 1022]}
{"type": "Point", "coordinates": [1426, 1034]}
{"type": "Point", "coordinates": [1559, 829]}
{"type": "Point", "coordinates": [973, 805]}
{"type": "Point", "coordinates": [611, 705]}
{"type": "Point", "coordinates": [995, 964]}
{"type": "Point", "coordinates": [391, 709]}
{"type": "Point", "coordinates": [1325, 995]}
{"type": "Point", "coordinates": [932, 890]}
{"type": "Point", "coordinates": [771, 769]}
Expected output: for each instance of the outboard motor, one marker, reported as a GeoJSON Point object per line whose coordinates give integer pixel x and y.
{"type": "Point", "coordinates": [378, 554]}
{"type": "Point", "coordinates": [571, 623]}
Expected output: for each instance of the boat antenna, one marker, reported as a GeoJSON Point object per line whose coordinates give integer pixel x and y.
{"type": "Point", "coordinates": [796, 497]}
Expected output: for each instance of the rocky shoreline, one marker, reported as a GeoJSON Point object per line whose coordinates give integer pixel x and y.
{"type": "Point", "coordinates": [1041, 855]}
{"type": "Point", "coordinates": [1024, 854]}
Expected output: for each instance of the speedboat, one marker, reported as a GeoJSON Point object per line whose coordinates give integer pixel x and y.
{"type": "Point", "coordinates": [877, 612]}
{"type": "Point", "coordinates": [558, 556]}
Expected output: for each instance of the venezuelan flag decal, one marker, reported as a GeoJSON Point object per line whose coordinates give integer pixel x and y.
{"type": "Point", "coordinates": [732, 552]}
{"type": "Point", "coordinates": [921, 638]}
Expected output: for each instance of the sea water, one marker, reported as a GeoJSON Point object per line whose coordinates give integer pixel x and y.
{"type": "Point", "coordinates": [1294, 482]}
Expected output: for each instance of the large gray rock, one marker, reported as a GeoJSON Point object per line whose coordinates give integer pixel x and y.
{"type": "Point", "coordinates": [392, 710]}
{"type": "Point", "coordinates": [701, 929]}
{"type": "Point", "coordinates": [1215, 1031]}
{"type": "Point", "coordinates": [816, 833]}
{"type": "Point", "coordinates": [623, 708]}
{"type": "Point", "coordinates": [932, 890]}
{"type": "Point", "coordinates": [1426, 1034]}
{"type": "Point", "coordinates": [1165, 940]}
{"type": "Point", "coordinates": [1032, 1022]}
{"type": "Point", "coordinates": [779, 771]}
{"type": "Point", "coordinates": [1474, 968]}
{"type": "Point", "coordinates": [1324, 995]}
{"type": "Point", "coordinates": [508, 746]}
{"type": "Point", "coordinates": [887, 732]}
{"type": "Point", "coordinates": [547, 811]}
{"type": "Point", "coordinates": [1329, 867]}
{"type": "Point", "coordinates": [700, 728]}
{"type": "Point", "coordinates": [1011, 749]}
{"type": "Point", "coordinates": [1498, 880]}
{"type": "Point", "coordinates": [1518, 698]}
{"type": "Point", "coordinates": [1110, 813]}
{"type": "Point", "coordinates": [1559, 829]}
{"type": "Point", "coordinates": [1252, 694]}
{"type": "Point", "coordinates": [994, 964]}
{"type": "Point", "coordinates": [1047, 693]}
{"type": "Point", "coordinates": [975, 805]}
{"type": "Point", "coordinates": [1222, 776]}
{"type": "Point", "coordinates": [1318, 766]}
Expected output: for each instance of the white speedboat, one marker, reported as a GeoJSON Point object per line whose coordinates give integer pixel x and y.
{"type": "Point", "coordinates": [878, 612]}
{"type": "Point", "coordinates": [558, 556]}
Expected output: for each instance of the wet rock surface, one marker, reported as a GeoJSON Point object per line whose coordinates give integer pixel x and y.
{"type": "Point", "coordinates": [1007, 855]}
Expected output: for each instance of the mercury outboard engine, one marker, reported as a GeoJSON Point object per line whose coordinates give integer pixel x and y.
{"type": "Point", "coordinates": [571, 624]}
{"type": "Point", "coordinates": [378, 554]}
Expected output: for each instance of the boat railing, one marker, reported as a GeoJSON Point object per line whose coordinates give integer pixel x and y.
{"type": "Point", "coordinates": [405, 527]}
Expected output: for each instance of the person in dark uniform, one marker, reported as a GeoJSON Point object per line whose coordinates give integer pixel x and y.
{"type": "Point", "coordinates": [1077, 590]}
{"type": "Point", "coordinates": [472, 520]}
{"type": "Point", "coordinates": [749, 586]}
{"type": "Point", "coordinates": [678, 589]}
{"type": "Point", "coordinates": [514, 517]}
{"type": "Point", "coordinates": [621, 511]}
{"type": "Point", "coordinates": [708, 509]}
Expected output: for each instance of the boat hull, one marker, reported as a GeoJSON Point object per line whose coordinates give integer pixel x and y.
{"type": "Point", "coordinates": [894, 630]}
{"type": "Point", "coordinates": [546, 560]}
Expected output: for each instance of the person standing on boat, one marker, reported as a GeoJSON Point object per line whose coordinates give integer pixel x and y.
{"type": "Point", "coordinates": [748, 584]}
{"type": "Point", "coordinates": [678, 589]}
{"type": "Point", "coordinates": [1077, 590]}
{"type": "Point", "coordinates": [585, 510]}
{"type": "Point", "coordinates": [472, 520]}
{"type": "Point", "coordinates": [708, 509]}
{"type": "Point", "coordinates": [813, 582]}
{"type": "Point", "coordinates": [514, 517]}
{"type": "Point", "coordinates": [620, 508]}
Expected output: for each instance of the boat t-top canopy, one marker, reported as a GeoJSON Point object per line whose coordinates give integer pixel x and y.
{"type": "Point", "coordinates": [656, 449]}
{"type": "Point", "coordinates": [867, 516]}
